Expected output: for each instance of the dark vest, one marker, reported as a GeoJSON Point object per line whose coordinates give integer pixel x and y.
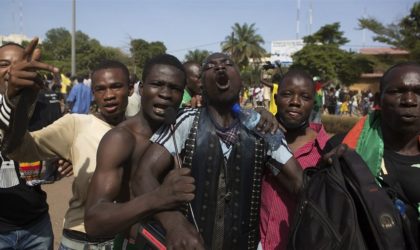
{"type": "Point", "coordinates": [226, 205]}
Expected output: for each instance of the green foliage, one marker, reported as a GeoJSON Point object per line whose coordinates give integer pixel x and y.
{"type": "Point", "coordinates": [322, 57]}
{"type": "Point", "coordinates": [327, 34]}
{"type": "Point", "coordinates": [250, 75]}
{"type": "Point", "coordinates": [56, 50]}
{"type": "Point", "coordinates": [56, 47]}
{"type": "Point", "coordinates": [352, 66]}
{"type": "Point", "coordinates": [389, 34]}
{"type": "Point", "coordinates": [142, 51]}
{"type": "Point", "coordinates": [403, 34]}
{"type": "Point", "coordinates": [196, 55]}
{"type": "Point", "coordinates": [244, 44]}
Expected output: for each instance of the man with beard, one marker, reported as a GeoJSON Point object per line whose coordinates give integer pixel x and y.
{"type": "Point", "coordinates": [295, 101]}
{"type": "Point", "coordinates": [388, 139]}
{"type": "Point", "coordinates": [121, 148]}
{"type": "Point", "coordinates": [226, 161]}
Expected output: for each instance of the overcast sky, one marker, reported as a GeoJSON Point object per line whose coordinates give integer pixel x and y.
{"type": "Point", "coordinates": [189, 24]}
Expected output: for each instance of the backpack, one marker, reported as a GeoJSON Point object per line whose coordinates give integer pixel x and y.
{"type": "Point", "coordinates": [342, 207]}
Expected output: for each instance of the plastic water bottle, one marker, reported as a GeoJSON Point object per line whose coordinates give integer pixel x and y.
{"type": "Point", "coordinates": [250, 118]}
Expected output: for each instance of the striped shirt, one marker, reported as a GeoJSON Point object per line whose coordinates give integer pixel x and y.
{"type": "Point", "coordinates": [277, 206]}
{"type": "Point", "coordinates": [183, 126]}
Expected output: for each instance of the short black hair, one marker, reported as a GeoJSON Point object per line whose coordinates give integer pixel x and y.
{"type": "Point", "coordinates": [164, 59]}
{"type": "Point", "coordinates": [383, 80]}
{"type": "Point", "coordinates": [12, 44]}
{"type": "Point", "coordinates": [297, 72]}
{"type": "Point", "coordinates": [112, 64]}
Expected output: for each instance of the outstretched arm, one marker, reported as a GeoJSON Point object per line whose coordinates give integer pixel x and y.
{"type": "Point", "coordinates": [104, 214]}
{"type": "Point", "coordinates": [22, 82]}
{"type": "Point", "coordinates": [180, 233]}
{"type": "Point", "coordinates": [266, 83]}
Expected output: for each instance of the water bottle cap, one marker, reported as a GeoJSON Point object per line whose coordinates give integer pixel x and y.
{"type": "Point", "coordinates": [236, 108]}
{"type": "Point", "coordinates": [400, 206]}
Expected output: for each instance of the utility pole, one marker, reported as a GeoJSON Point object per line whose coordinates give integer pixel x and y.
{"type": "Point", "coordinates": [133, 54]}
{"type": "Point", "coordinates": [310, 18]}
{"type": "Point", "coordinates": [73, 40]}
{"type": "Point", "coordinates": [297, 19]}
{"type": "Point", "coordinates": [20, 18]}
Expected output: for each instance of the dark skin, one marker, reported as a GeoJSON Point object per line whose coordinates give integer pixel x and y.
{"type": "Point", "coordinates": [10, 55]}
{"type": "Point", "coordinates": [111, 90]}
{"type": "Point", "coordinates": [21, 68]}
{"type": "Point", "coordinates": [193, 78]}
{"type": "Point", "coordinates": [220, 96]}
{"type": "Point", "coordinates": [193, 84]}
{"type": "Point", "coordinates": [119, 153]}
{"type": "Point", "coordinates": [295, 101]}
{"type": "Point", "coordinates": [400, 104]}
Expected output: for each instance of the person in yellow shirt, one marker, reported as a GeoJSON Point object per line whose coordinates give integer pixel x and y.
{"type": "Point", "coordinates": [273, 86]}
{"type": "Point", "coordinates": [65, 83]}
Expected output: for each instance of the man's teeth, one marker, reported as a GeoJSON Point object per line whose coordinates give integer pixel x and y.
{"type": "Point", "coordinates": [160, 111]}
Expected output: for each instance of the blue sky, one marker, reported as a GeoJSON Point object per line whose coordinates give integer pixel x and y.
{"type": "Point", "coordinates": [188, 24]}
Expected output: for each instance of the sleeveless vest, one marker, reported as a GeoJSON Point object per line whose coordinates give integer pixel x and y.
{"type": "Point", "coordinates": [227, 201]}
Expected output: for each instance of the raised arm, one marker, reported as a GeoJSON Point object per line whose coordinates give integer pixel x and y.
{"type": "Point", "coordinates": [105, 214]}
{"type": "Point", "coordinates": [266, 83]}
{"type": "Point", "coordinates": [22, 82]}
{"type": "Point", "coordinates": [180, 233]}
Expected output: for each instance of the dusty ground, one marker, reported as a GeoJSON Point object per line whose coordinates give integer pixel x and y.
{"type": "Point", "coordinates": [58, 195]}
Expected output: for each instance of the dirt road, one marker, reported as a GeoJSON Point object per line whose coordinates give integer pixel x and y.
{"type": "Point", "coordinates": [58, 195]}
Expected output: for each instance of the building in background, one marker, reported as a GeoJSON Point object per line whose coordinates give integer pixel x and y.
{"type": "Point", "coordinates": [282, 50]}
{"type": "Point", "coordinates": [16, 38]}
{"type": "Point", "coordinates": [370, 81]}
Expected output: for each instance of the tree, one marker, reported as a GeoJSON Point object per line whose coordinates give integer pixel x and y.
{"type": "Point", "coordinates": [403, 34]}
{"type": "Point", "coordinates": [327, 34]}
{"type": "Point", "coordinates": [56, 50]}
{"type": "Point", "coordinates": [322, 57]}
{"type": "Point", "coordinates": [244, 44]}
{"type": "Point", "coordinates": [196, 55]}
{"type": "Point", "coordinates": [250, 75]}
{"type": "Point", "coordinates": [142, 51]}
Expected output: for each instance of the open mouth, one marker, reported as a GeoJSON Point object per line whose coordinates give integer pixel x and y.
{"type": "Point", "coordinates": [159, 109]}
{"type": "Point", "coordinates": [111, 107]}
{"type": "Point", "coordinates": [222, 80]}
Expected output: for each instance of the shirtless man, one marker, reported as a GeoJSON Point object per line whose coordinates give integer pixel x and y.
{"type": "Point", "coordinates": [162, 86]}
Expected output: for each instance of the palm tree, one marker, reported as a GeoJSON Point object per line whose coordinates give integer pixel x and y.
{"type": "Point", "coordinates": [244, 44]}
{"type": "Point", "coordinates": [196, 55]}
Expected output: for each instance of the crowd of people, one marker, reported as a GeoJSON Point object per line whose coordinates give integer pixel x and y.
{"type": "Point", "coordinates": [332, 100]}
{"type": "Point", "coordinates": [165, 161]}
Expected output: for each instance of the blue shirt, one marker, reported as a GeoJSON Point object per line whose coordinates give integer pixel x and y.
{"type": "Point", "coordinates": [80, 96]}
